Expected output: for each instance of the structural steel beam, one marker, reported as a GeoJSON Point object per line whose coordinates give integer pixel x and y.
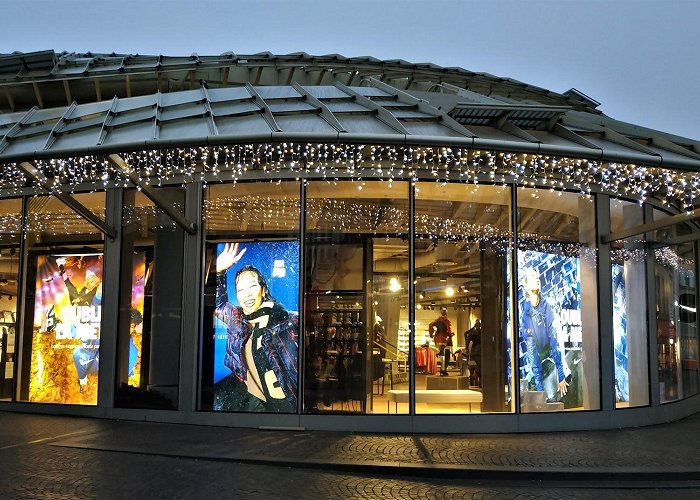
{"type": "Point", "coordinates": [651, 226]}
{"type": "Point", "coordinates": [119, 163]}
{"type": "Point", "coordinates": [33, 172]}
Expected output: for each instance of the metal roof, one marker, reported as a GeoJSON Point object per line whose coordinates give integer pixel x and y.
{"type": "Point", "coordinates": [323, 99]}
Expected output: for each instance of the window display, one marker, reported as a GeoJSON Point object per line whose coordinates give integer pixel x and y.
{"type": "Point", "coordinates": [66, 339]}
{"type": "Point", "coordinates": [557, 302]}
{"type": "Point", "coordinates": [257, 326]}
{"type": "Point", "coordinates": [550, 329]}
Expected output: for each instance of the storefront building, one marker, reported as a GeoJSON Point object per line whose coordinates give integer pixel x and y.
{"type": "Point", "coordinates": [332, 243]}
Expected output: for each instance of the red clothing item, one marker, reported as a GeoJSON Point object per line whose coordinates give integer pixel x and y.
{"type": "Point", "coordinates": [443, 330]}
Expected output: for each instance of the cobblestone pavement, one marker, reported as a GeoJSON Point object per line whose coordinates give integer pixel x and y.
{"type": "Point", "coordinates": [63, 457]}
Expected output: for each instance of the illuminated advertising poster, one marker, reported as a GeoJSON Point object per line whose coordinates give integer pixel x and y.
{"type": "Point", "coordinates": [256, 326]}
{"type": "Point", "coordinates": [66, 334]}
{"type": "Point", "coordinates": [620, 333]}
{"type": "Point", "coordinates": [138, 287]}
{"type": "Point", "coordinates": [550, 336]}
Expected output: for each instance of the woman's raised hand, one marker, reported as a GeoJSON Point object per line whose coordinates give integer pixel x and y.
{"type": "Point", "coordinates": [228, 257]}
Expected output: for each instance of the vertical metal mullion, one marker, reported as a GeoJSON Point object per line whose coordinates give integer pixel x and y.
{"type": "Point", "coordinates": [653, 346]}
{"type": "Point", "coordinates": [515, 320]}
{"type": "Point", "coordinates": [19, 303]}
{"type": "Point", "coordinates": [411, 297]}
{"type": "Point", "coordinates": [696, 253]}
{"type": "Point", "coordinates": [301, 347]}
{"type": "Point", "coordinates": [606, 345]}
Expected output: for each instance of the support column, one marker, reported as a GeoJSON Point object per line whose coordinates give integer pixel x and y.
{"type": "Point", "coordinates": [110, 300]}
{"type": "Point", "coordinates": [191, 301]}
{"type": "Point", "coordinates": [493, 321]}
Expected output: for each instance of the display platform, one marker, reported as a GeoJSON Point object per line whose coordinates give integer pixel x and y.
{"type": "Point", "coordinates": [445, 383]}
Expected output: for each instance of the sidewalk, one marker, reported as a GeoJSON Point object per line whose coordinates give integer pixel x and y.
{"type": "Point", "coordinates": [668, 452]}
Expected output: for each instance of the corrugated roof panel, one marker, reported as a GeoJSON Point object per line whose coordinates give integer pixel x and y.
{"type": "Point", "coordinates": [493, 133]}
{"type": "Point", "coordinates": [363, 124]}
{"type": "Point", "coordinates": [228, 94]}
{"type": "Point", "coordinates": [36, 129]}
{"type": "Point", "coordinates": [668, 156]}
{"type": "Point", "coordinates": [326, 92]}
{"type": "Point", "coordinates": [74, 69]}
{"type": "Point", "coordinates": [10, 119]}
{"type": "Point", "coordinates": [275, 92]}
{"type": "Point", "coordinates": [136, 102]}
{"type": "Point", "coordinates": [91, 109]}
{"type": "Point", "coordinates": [185, 129]}
{"type": "Point", "coordinates": [80, 124]}
{"type": "Point", "coordinates": [612, 148]}
{"type": "Point", "coordinates": [552, 139]}
{"type": "Point", "coordinates": [134, 116]}
{"type": "Point", "coordinates": [290, 107]}
{"type": "Point", "coordinates": [234, 108]}
{"type": "Point", "coordinates": [176, 61]}
{"type": "Point", "coordinates": [176, 98]}
{"type": "Point", "coordinates": [177, 112]}
{"type": "Point", "coordinates": [370, 91]}
{"type": "Point", "coordinates": [26, 146]}
{"type": "Point", "coordinates": [135, 132]}
{"type": "Point", "coordinates": [77, 139]}
{"type": "Point", "coordinates": [304, 123]}
{"type": "Point", "coordinates": [347, 107]}
{"type": "Point", "coordinates": [429, 128]}
{"type": "Point", "coordinates": [106, 67]}
{"type": "Point", "coordinates": [411, 115]}
{"type": "Point", "coordinates": [43, 115]}
{"type": "Point", "coordinates": [242, 125]}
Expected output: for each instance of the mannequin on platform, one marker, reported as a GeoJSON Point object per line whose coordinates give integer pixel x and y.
{"type": "Point", "coordinates": [441, 332]}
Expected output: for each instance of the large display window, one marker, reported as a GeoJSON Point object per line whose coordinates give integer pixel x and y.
{"type": "Point", "coordinates": [10, 222]}
{"type": "Point", "coordinates": [356, 298]}
{"type": "Point", "coordinates": [150, 303]}
{"type": "Point", "coordinates": [252, 275]}
{"type": "Point", "coordinates": [557, 302]}
{"type": "Point", "coordinates": [628, 294]}
{"type": "Point", "coordinates": [463, 341]}
{"type": "Point", "coordinates": [63, 303]}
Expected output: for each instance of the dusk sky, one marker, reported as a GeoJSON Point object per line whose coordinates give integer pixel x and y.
{"type": "Point", "coordinates": [639, 58]}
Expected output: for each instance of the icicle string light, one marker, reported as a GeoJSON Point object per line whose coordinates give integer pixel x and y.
{"type": "Point", "coordinates": [359, 162]}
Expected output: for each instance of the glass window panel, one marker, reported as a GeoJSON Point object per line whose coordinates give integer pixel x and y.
{"type": "Point", "coordinates": [357, 333]}
{"type": "Point", "coordinates": [10, 222]}
{"type": "Point", "coordinates": [676, 313]}
{"type": "Point", "coordinates": [557, 302]}
{"type": "Point", "coordinates": [150, 305]}
{"type": "Point", "coordinates": [251, 314]}
{"type": "Point", "coordinates": [630, 341]}
{"type": "Point", "coordinates": [63, 303]}
{"type": "Point", "coordinates": [463, 338]}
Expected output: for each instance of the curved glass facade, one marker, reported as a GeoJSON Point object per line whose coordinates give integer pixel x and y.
{"type": "Point", "coordinates": [307, 294]}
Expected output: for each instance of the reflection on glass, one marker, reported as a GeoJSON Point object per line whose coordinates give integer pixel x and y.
{"type": "Point", "coordinates": [148, 341]}
{"type": "Point", "coordinates": [10, 221]}
{"type": "Point", "coordinates": [557, 302]}
{"type": "Point", "coordinates": [631, 377]}
{"type": "Point", "coordinates": [463, 345]}
{"type": "Point", "coordinates": [676, 322]}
